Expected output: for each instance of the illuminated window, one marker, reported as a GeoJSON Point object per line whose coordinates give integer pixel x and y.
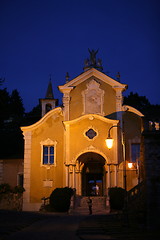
{"type": "Point", "coordinates": [48, 154]}
{"type": "Point", "coordinates": [135, 151]}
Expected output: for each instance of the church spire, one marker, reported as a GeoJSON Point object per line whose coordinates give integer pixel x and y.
{"type": "Point", "coordinates": [49, 102]}
{"type": "Point", "coordinates": [49, 93]}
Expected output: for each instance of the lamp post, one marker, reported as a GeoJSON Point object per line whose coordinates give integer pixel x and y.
{"type": "Point", "coordinates": [109, 143]}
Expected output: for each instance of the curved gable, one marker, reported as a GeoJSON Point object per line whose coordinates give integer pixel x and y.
{"type": "Point", "coordinates": [55, 111]}
{"type": "Point", "coordinates": [132, 109]}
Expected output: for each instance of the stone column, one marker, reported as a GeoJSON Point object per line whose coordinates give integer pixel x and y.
{"type": "Point", "coordinates": [77, 177]}
{"type": "Point", "coordinates": [108, 177]}
{"type": "Point", "coordinates": [70, 176]}
{"type": "Point", "coordinates": [74, 177]}
{"type": "Point", "coordinates": [67, 175]}
{"type": "Point", "coordinates": [80, 183]}
{"type": "Point", "coordinates": [115, 175]}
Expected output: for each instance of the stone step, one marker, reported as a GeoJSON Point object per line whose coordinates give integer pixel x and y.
{"type": "Point", "coordinates": [96, 201]}
{"type": "Point", "coordinates": [98, 206]}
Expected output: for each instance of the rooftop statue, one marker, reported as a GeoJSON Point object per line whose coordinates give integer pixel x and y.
{"type": "Point", "coordinates": [93, 56]}
{"type": "Point", "coordinates": [91, 62]}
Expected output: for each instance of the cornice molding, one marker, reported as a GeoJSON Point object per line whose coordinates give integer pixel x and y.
{"type": "Point", "coordinates": [92, 73]}
{"type": "Point", "coordinates": [91, 117]}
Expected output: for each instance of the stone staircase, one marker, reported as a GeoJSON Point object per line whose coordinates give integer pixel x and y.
{"type": "Point", "coordinates": [98, 206]}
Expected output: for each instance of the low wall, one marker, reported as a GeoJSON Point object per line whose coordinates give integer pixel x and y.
{"type": "Point", "coordinates": [11, 201]}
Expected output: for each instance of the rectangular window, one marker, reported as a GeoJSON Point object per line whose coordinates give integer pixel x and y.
{"type": "Point", "coordinates": [135, 151]}
{"type": "Point", "coordinates": [20, 179]}
{"type": "Point", "coordinates": [48, 155]}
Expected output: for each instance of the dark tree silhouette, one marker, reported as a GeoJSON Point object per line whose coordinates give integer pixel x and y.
{"type": "Point", "coordinates": [141, 103]}
{"type": "Point", "coordinates": [16, 104]}
{"type": "Point", "coordinates": [33, 116]}
{"type": "Point", "coordinates": [2, 81]}
{"type": "Point", "coordinates": [136, 101]}
{"type": "Point", "coordinates": [4, 105]}
{"type": "Point", "coordinates": [11, 116]}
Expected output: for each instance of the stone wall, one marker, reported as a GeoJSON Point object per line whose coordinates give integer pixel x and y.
{"type": "Point", "coordinates": [11, 201]}
{"type": "Point", "coordinates": [151, 164]}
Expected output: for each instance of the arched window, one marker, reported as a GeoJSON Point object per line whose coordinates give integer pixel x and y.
{"type": "Point", "coordinates": [48, 107]}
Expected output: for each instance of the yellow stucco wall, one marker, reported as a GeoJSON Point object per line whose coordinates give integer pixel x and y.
{"type": "Point", "coordinates": [79, 142]}
{"type": "Point", "coordinates": [53, 129]}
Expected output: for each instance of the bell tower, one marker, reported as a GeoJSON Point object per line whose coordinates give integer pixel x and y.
{"type": "Point", "coordinates": [49, 102]}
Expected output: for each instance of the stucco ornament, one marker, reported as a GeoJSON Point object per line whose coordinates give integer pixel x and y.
{"type": "Point", "coordinates": [47, 142]}
{"type": "Point", "coordinates": [93, 98]}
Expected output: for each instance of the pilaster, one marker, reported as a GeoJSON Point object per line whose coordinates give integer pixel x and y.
{"type": "Point", "coordinates": [119, 102]}
{"type": "Point", "coordinates": [66, 100]}
{"type": "Point", "coordinates": [27, 169]}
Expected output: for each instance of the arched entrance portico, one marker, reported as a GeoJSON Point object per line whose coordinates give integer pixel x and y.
{"type": "Point", "coordinates": [93, 182]}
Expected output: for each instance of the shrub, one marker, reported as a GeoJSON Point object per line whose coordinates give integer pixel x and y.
{"type": "Point", "coordinates": [60, 199]}
{"type": "Point", "coordinates": [117, 197]}
{"type": "Point", "coordinates": [5, 188]}
{"type": "Point", "coordinates": [18, 189]}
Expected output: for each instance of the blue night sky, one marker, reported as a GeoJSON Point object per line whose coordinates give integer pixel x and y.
{"type": "Point", "coordinates": [43, 37]}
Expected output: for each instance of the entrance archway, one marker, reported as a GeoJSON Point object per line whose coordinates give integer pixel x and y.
{"type": "Point", "coordinates": [93, 174]}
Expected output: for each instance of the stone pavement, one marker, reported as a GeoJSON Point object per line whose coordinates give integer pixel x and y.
{"type": "Point", "coordinates": [13, 221]}
{"type": "Point", "coordinates": [34, 225]}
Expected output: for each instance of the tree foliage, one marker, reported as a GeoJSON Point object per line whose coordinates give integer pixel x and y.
{"type": "Point", "coordinates": [33, 116]}
{"type": "Point", "coordinates": [2, 81]}
{"type": "Point", "coordinates": [16, 104]}
{"type": "Point", "coordinates": [141, 103]}
{"type": "Point", "coordinates": [11, 118]}
{"type": "Point", "coordinates": [4, 105]}
{"type": "Point", "coordinates": [136, 101]}
{"type": "Point", "coordinates": [11, 106]}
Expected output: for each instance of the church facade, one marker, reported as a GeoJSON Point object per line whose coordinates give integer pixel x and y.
{"type": "Point", "coordinates": [67, 146]}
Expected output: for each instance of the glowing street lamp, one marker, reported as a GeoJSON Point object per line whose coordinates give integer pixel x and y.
{"type": "Point", "coordinates": [135, 166]}
{"type": "Point", "coordinates": [109, 142]}
{"type": "Point", "coordinates": [130, 165]}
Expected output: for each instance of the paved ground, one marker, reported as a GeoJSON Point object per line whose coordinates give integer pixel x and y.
{"type": "Point", "coordinates": [31, 225]}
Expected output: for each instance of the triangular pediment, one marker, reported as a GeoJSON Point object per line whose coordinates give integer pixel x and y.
{"type": "Point", "coordinates": [91, 73]}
